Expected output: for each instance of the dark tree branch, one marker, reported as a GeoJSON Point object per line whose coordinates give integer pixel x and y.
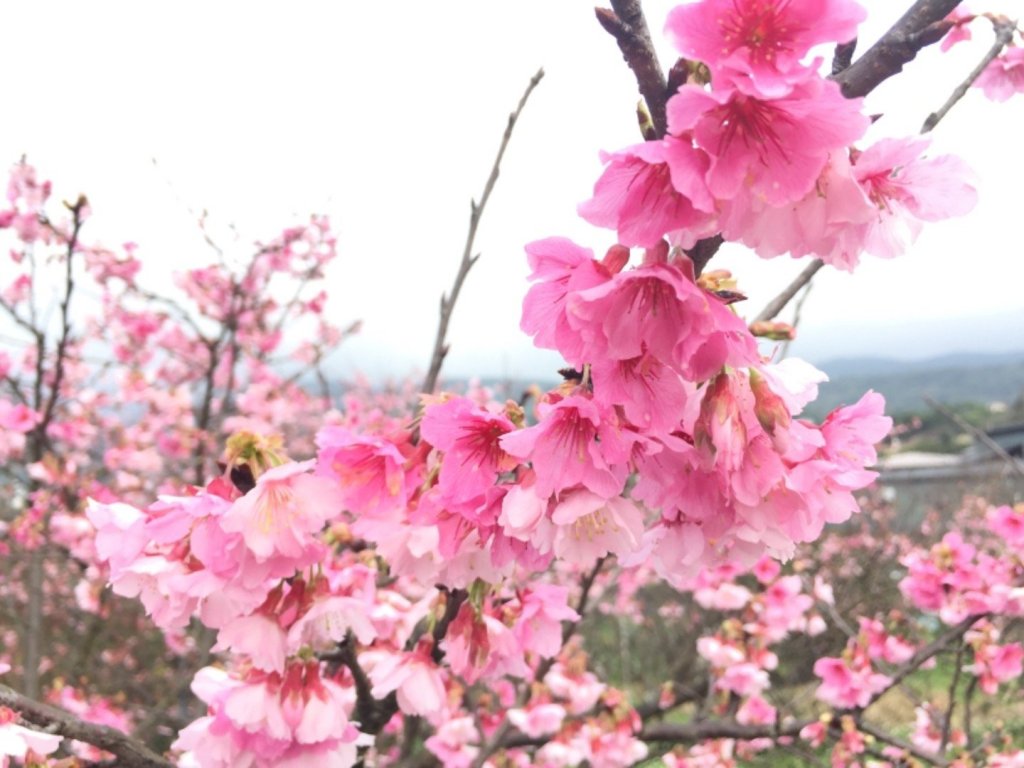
{"type": "Point", "coordinates": [910, 749]}
{"type": "Point", "coordinates": [626, 23]}
{"type": "Point", "coordinates": [1004, 30]}
{"type": "Point", "coordinates": [476, 210]}
{"type": "Point", "coordinates": [779, 303]}
{"type": "Point", "coordinates": [947, 720]}
{"type": "Point", "coordinates": [842, 57]}
{"type": "Point", "coordinates": [130, 753]}
{"type": "Point", "coordinates": [917, 28]}
{"type": "Point", "coordinates": [702, 252]}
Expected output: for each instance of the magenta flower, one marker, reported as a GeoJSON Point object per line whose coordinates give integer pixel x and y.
{"type": "Point", "coordinates": [768, 38]}
{"type": "Point", "coordinates": [416, 679]}
{"type": "Point", "coordinates": [773, 145]}
{"type": "Point", "coordinates": [370, 470]}
{"type": "Point", "coordinates": [575, 443]}
{"type": "Point", "coordinates": [657, 309]}
{"type": "Point", "coordinates": [651, 394]}
{"type": "Point", "coordinates": [651, 189]}
{"type": "Point", "coordinates": [560, 267]}
{"type": "Point", "coordinates": [470, 437]}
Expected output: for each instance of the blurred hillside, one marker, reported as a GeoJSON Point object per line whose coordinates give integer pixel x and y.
{"type": "Point", "coordinates": [995, 380]}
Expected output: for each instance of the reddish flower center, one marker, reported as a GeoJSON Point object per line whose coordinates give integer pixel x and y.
{"type": "Point", "coordinates": [574, 434]}
{"type": "Point", "coordinates": [752, 121]}
{"type": "Point", "coordinates": [479, 441]}
{"type": "Point", "coordinates": [762, 26]}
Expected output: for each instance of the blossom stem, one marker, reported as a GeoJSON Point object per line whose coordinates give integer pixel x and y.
{"type": "Point", "coordinates": [468, 258]}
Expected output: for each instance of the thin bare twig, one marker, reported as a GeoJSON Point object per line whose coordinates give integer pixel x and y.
{"type": "Point", "coordinates": [779, 303]}
{"type": "Point", "coordinates": [1004, 30]}
{"type": "Point", "coordinates": [797, 315]}
{"type": "Point", "coordinates": [947, 721]}
{"type": "Point", "coordinates": [476, 210]}
{"type": "Point", "coordinates": [130, 753]}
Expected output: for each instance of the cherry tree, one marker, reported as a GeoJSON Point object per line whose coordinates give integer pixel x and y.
{"type": "Point", "coordinates": [420, 582]}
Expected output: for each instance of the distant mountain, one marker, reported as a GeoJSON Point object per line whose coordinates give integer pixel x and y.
{"type": "Point", "coordinates": [951, 378]}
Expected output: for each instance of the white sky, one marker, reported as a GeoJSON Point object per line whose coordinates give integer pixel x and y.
{"type": "Point", "coordinates": [386, 115]}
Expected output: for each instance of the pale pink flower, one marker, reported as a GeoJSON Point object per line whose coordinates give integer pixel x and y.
{"type": "Point", "coordinates": [727, 596]}
{"type": "Point", "coordinates": [539, 623]}
{"type": "Point", "coordinates": [960, 18]}
{"type": "Point", "coordinates": [538, 720]}
{"type": "Point", "coordinates": [1004, 76]}
{"type": "Point", "coordinates": [579, 688]}
{"type": "Point", "coordinates": [327, 622]}
{"type": "Point", "coordinates": [18, 742]}
{"type": "Point", "coordinates": [280, 515]}
{"type": "Point", "coordinates": [452, 742]}
{"type": "Point", "coordinates": [416, 679]}
{"type": "Point", "coordinates": [907, 190]}
{"type": "Point", "coordinates": [259, 637]}
{"type": "Point", "coordinates": [590, 526]}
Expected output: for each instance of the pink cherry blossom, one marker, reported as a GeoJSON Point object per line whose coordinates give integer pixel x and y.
{"type": "Point", "coordinates": [370, 470]}
{"type": "Point", "coordinates": [771, 145]}
{"type": "Point", "coordinates": [848, 683]}
{"type": "Point", "coordinates": [416, 679]}
{"type": "Point", "coordinates": [659, 310]}
{"type": "Point", "coordinates": [1004, 76]}
{"type": "Point", "coordinates": [470, 437]}
{"type": "Point", "coordinates": [768, 37]}
{"type": "Point", "coordinates": [908, 190]}
{"type": "Point", "coordinates": [576, 442]}
{"type": "Point", "coordinates": [560, 268]}
{"type": "Point", "coordinates": [287, 506]}
{"type": "Point", "coordinates": [651, 189]}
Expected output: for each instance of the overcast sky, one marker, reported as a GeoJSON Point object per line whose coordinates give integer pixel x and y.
{"type": "Point", "coordinates": [386, 115]}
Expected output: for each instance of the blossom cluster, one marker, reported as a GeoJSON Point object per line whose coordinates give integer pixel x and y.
{"type": "Point", "coordinates": [412, 569]}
